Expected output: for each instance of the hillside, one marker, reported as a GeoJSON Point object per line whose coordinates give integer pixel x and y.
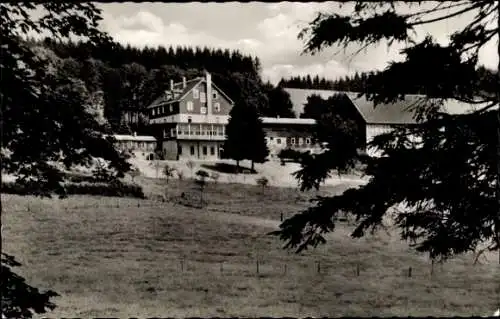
{"type": "Point", "coordinates": [114, 79]}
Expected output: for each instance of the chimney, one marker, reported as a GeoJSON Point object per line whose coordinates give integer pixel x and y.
{"type": "Point", "coordinates": [184, 83]}
{"type": "Point", "coordinates": [171, 85]}
{"type": "Point", "coordinates": [208, 77]}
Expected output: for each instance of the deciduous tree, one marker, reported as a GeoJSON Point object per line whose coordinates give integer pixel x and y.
{"type": "Point", "coordinates": [43, 122]}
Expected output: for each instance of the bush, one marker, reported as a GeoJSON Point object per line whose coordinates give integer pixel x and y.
{"type": "Point", "coordinates": [291, 155]}
{"type": "Point", "coordinates": [115, 188]}
{"type": "Point", "coordinates": [263, 181]}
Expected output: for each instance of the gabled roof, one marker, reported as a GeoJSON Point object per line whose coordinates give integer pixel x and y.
{"type": "Point", "coordinates": [180, 92]}
{"type": "Point", "coordinates": [398, 112]}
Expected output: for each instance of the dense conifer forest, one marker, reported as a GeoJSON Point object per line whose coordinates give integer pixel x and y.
{"type": "Point", "coordinates": [118, 78]}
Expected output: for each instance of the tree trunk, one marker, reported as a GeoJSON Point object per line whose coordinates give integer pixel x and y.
{"type": "Point", "coordinates": [497, 226]}
{"type": "Point", "coordinates": [252, 166]}
{"type": "Point", "coordinates": [237, 166]}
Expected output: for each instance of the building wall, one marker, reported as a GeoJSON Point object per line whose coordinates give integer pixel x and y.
{"type": "Point", "coordinates": [297, 137]}
{"type": "Point", "coordinates": [198, 147]}
{"type": "Point", "coordinates": [225, 105]}
{"type": "Point", "coordinates": [169, 149]}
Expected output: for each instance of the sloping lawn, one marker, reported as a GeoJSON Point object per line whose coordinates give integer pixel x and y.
{"type": "Point", "coordinates": [127, 257]}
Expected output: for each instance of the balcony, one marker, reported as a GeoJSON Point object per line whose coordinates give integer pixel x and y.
{"type": "Point", "coordinates": [205, 132]}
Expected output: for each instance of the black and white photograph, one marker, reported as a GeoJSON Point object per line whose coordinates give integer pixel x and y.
{"type": "Point", "coordinates": [250, 159]}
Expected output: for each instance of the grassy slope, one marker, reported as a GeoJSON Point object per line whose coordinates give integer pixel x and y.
{"type": "Point", "coordinates": [126, 261]}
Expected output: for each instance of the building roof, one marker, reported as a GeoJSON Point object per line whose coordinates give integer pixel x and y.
{"type": "Point", "coordinates": [180, 92]}
{"type": "Point", "coordinates": [282, 120]}
{"type": "Point", "coordinates": [399, 112]}
{"type": "Point", "coordinates": [137, 138]}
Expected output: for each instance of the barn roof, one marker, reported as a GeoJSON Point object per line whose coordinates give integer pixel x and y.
{"type": "Point", "coordinates": [282, 120]}
{"type": "Point", "coordinates": [399, 112]}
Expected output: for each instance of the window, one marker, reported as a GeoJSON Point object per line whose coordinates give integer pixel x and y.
{"type": "Point", "coordinates": [171, 108]}
{"type": "Point", "coordinates": [172, 132]}
{"type": "Point", "coordinates": [308, 141]}
{"type": "Point", "coordinates": [189, 119]}
{"type": "Point", "coordinates": [301, 140]}
{"type": "Point", "coordinates": [212, 150]}
{"type": "Point", "coordinates": [278, 140]}
{"type": "Point", "coordinates": [203, 97]}
{"type": "Point", "coordinates": [217, 107]}
{"type": "Point", "coordinates": [190, 106]}
{"type": "Point", "coordinates": [271, 138]}
{"type": "Point", "coordinates": [153, 112]}
{"type": "Point", "coordinates": [192, 150]}
{"type": "Point", "coordinates": [204, 150]}
{"type": "Point", "coordinates": [214, 95]}
{"type": "Point", "coordinates": [196, 93]}
{"type": "Point", "coordinates": [203, 110]}
{"type": "Point", "coordinates": [292, 140]}
{"type": "Point", "coordinates": [164, 133]}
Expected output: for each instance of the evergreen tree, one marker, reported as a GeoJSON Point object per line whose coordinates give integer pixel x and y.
{"type": "Point", "coordinates": [443, 173]}
{"type": "Point", "coordinates": [236, 135]}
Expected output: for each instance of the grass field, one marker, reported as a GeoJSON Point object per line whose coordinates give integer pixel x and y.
{"type": "Point", "coordinates": [109, 257]}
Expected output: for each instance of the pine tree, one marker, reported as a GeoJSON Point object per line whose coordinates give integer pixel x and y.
{"type": "Point", "coordinates": [236, 135]}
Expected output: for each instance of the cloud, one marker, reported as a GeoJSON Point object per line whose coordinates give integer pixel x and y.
{"type": "Point", "coordinates": [266, 30]}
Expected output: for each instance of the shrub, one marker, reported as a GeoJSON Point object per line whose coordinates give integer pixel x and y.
{"type": "Point", "coordinates": [115, 188]}
{"type": "Point", "coordinates": [215, 176]}
{"type": "Point", "coordinates": [291, 155]}
{"type": "Point", "coordinates": [180, 175]}
{"type": "Point", "coordinates": [168, 171]}
{"type": "Point", "coordinates": [263, 181]}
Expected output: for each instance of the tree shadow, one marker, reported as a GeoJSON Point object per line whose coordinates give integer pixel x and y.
{"type": "Point", "coordinates": [229, 168]}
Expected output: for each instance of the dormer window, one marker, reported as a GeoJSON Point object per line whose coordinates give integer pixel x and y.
{"type": "Point", "coordinates": [190, 106]}
{"type": "Point", "coordinates": [217, 107]}
{"type": "Point", "coordinates": [196, 93]}
{"type": "Point", "coordinates": [203, 97]}
{"type": "Point", "coordinates": [214, 95]}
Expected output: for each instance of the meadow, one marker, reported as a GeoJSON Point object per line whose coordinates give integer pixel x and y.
{"type": "Point", "coordinates": [126, 257]}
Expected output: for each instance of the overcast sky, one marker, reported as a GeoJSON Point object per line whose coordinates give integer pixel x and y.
{"type": "Point", "coordinates": [266, 30]}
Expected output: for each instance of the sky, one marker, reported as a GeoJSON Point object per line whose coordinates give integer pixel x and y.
{"type": "Point", "coordinates": [266, 30]}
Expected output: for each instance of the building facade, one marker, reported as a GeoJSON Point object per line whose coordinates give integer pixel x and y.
{"type": "Point", "coordinates": [289, 133]}
{"type": "Point", "coordinates": [190, 119]}
{"type": "Point", "coordinates": [138, 145]}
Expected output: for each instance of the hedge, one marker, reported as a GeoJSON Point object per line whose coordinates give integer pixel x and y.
{"type": "Point", "coordinates": [117, 189]}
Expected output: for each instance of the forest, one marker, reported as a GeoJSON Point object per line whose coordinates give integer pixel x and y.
{"type": "Point", "coordinates": [361, 82]}
{"type": "Point", "coordinates": [118, 78]}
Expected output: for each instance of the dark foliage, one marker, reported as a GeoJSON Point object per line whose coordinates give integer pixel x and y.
{"type": "Point", "coordinates": [113, 189]}
{"type": "Point", "coordinates": [438, 182]}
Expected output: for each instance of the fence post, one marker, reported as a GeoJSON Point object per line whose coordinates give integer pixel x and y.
{"type": "Point", "coordinates": [409, 271]}
{"type": "Point", "coordinates": [257, 264]}
{"type": "Point", "coordinates": [319, 266]}
{"type": "Point", "coordinates": [357, 270]}
{"type": "Point", "coordinates": [284, 271]}
{"type": "Point", "coordinates": [281, 217]}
